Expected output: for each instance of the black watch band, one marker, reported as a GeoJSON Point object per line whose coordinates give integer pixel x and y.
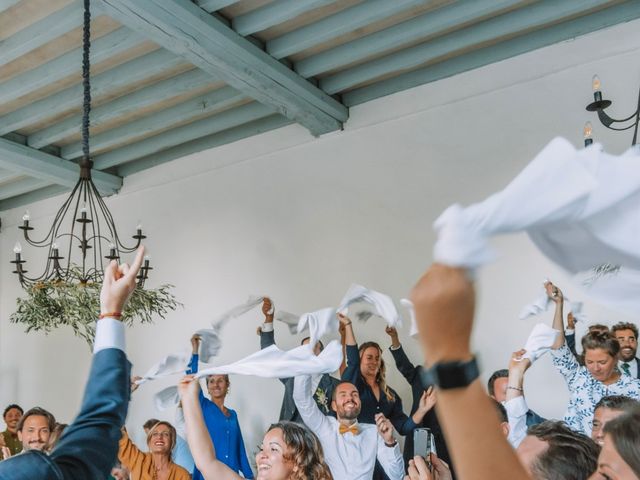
{"type": "Point", "coordinates": [448, 375]}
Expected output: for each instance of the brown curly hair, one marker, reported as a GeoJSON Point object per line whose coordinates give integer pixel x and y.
{"type": "Point", "coordinates": [381, 376]}
{"type": "Point", "coordinates": [304, 452]}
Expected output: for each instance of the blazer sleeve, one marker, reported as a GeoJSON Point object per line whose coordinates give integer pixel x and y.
{"type": "Point", "coordinates": [90, 444]}
{"type": "Point", "coordinates": [403, 364]}
{"type": "Point", "coordinates": [400, 420]}
{"type": "Point", "coordinates": [352, 372]}
{"type": "Point", "coordinates": [245, 467]}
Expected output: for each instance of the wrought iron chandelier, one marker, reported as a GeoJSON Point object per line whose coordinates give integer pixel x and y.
{"type": "Point", "coordinates": [599, 105]}
{"type": "Point", "coordinates": [90, 229]}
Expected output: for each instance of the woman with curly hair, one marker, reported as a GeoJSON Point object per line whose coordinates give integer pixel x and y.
{"type": "Point", "coordinates": [597, 378]}
{"type": "Point", "coordinates": [289, 451]}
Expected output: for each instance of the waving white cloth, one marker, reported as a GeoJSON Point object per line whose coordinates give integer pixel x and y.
{"type": "Point", "coordinates": [408, 304]}
{"type": "Point", "coordinates": [542, 303]}
{"type": "Point", "coordinates": [210, 343]}
{"type": "Point", "coordinates": [580, 208]}
{"type": "Point", "coordinates": [540, 341]}
{"type": "Point", "coordinates": [270, 362]}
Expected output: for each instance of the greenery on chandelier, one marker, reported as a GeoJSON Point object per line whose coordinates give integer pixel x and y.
{"type": "Point", "coordinates": [55, 303]}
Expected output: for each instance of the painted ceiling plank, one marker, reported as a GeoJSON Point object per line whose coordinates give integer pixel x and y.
{"type": "Point", "coordinates": [213, 5]}
{"type": "Point", "coordinates": [187, 30]}
{"type": "Point", "coordinates": [7, 4]}
{"type": "Point", "coordinates": [122, 106]}
{"type": "Point", "coordinates": [176, 136]}
{"type": "Point", "coordinates": [428, 24]}
{"type": "Point", "coordinates": [21, 186]}
{"type": "Point", "coordinates": [41, 32]}
{"type": "Point", "coordinates": [158, 121]}
{"type": "Point", "coordinates": [534, 16]}
{"type": "Point", "coordinates": [37, 164]}
{"type": "Point", "coordinates": [131, 72]}
{"type": "Point", "coordinates": [274, 14]}
{"type": "Point", "coordinates": [31, 197]}
{"type": "Point", "coordinates": [526, 43]}
{"type": "Point", "coordinates": [69, 63]}
{"type": "Point", "coordinates": [230, 135]}
{"type": "Point", "coordinates": [337, 24]}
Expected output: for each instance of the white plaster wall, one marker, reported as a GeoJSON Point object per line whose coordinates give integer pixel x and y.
{"type": "Point", "coordinates": [300, 219]}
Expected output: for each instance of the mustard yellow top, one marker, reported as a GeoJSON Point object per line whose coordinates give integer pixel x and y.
{"type": "Point", "coordinates": [140, 464]}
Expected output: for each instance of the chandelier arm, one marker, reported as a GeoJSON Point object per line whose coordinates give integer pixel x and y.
{"type": "Point", "coordinates": [635, 132]}
{"type": "Point", "coordinates": [111, 224]}
{"type": "Point", "coordinates": [622, 129]}
{"type": "Point", "coordinates": [607, 120]}
{"type": "Point", "coordinates": [95, 225]}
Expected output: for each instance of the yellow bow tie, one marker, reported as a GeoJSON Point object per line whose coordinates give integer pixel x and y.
{"type": "Point", "coordinates": [344, 429]}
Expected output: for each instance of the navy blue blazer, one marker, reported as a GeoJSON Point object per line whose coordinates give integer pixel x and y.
{"type": "Point", "coordinates": [89, 446]}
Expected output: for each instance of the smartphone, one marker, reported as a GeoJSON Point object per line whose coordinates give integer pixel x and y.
{"type": "Point", "coordinates": [423, 444]}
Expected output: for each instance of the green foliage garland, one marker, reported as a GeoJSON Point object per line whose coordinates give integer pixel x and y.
{"type": "Point", "coordinates": [53, 304]}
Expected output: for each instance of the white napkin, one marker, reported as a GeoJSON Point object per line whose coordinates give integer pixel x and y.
{"type": "Point", "coordinates": [539, 342]}
{"type": "Point", "coordinates": [270, 362]}
{"type": "Point", "coordinates": [408, 304]}
{"type": "Point", "coordinates": [580, 208]}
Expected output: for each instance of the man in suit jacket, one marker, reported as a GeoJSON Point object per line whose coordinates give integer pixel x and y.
{"type": "Point", "coordinates": [322, 385]}
{"type": "Point", "coordinates": [88, 448]}
{"type": "Point", "coordinates": [627, 335]}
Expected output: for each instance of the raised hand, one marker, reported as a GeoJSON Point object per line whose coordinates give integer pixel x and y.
{"type": "Point", "coordinates": [553, 292]}
{"type": "Point", "coordinates": [195, 343]}
{"type": "Point", "coordinates": [385, 429]}
{"type": "Point", "coordinates": [119, 282]}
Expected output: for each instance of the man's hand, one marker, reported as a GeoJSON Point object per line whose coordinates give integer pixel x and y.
{"type": "Point", "coordinates": [119, 282]}
{"type": "Point", "coordinates": [385, 429]}
{"type": "Point", "coordinates": [134, 384]}
{"type": "Point", "coordinates": [418, 469]}
{"type": "Point", "coordinates": [553, 292]}
{"type": "Point", "coordinates": [393, 333]}
{"type": "Point", "coordinates": [195, 344]}
{"type": "Point", "coordinates": [267, 305]}
{"type": "Point", "coordinates": [444, 301]}
{"type": "Point", "coordinates": [428, 399]}
{"type": "Point", "coordinates": [344, 320]}
{"type": "Point", "coordinates": [517, 363]}
{"type": "Point", "coordinates": [188, 387]}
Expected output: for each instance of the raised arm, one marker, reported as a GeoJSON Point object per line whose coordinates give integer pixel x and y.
{"type": "Point", "coordinates": [555, 294]}
{"type": "Point", "coordinates": [403, 364]}
{"type": "Point", "coordinates": [265, 331]}
{"type": "Point", "coordinates": [198, 438]}
{"type": "Point", "coordinates": [307, 407]}
{"type": "Point", "coordinates": [427, 402]}
{"type": "Point", "coordinates": [515, 404]}
{"type": "Point", "coordinates": [444, 300]}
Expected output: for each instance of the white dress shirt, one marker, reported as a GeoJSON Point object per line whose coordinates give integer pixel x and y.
{"type": "Point", "coordinates": [349, 456]}
{"type": "Point", "coordinates": [517, 413]}
{"type": "Point", "coordinates": [109, 334]}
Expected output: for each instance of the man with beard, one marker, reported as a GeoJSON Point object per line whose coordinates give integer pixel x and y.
{"type": "Point", "coordinates": [627, 335]}
{"type": "Point", "coordinates": [9, 438]}
{"type": "Point", "coordinates": [350, 448]}
{"type": "Point", "coordinates": [35, 428]}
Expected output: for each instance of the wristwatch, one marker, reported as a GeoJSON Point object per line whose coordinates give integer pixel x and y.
{"type": "Point", "coordinates": [448, 375]}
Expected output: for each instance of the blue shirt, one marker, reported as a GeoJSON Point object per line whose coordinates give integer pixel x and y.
{"type": "Point", "coordinates": [225, 433]}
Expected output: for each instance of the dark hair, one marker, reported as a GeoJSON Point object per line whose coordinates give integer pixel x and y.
{"type": "Point", "coordinates": [381, 376]}
{"type": "Point", "coordinates": [598, 327]}
{"type": "Point", "coordinates": [625, 326]}
{"type": "Point", "coordinates": [51, 420]}
{"type": "Point", "coordinates": [616, 402]}
{"type": "Point", "coordinates": [604, 340]}
{"type": "Point", "coordinates": [625, 433]}
{"type": "Point", "coordinates": [570, 455]}
{"type": "Point", "coordinates": [13, 405]}
{"type": "Point", "coordinates": [502, 412]}
{"type": "Point", "coordinates": [304, 451]}
{"type": "Point", "coordinates": [335, 389]}
{"type": "Point", "coordinates": [148, 425]}
{"type": "Point", "coordinates": [172, 435]}
{"type": "Point", "coordinates": [502, 373]}
{"type": "Point", "coordinates": [309, 338]}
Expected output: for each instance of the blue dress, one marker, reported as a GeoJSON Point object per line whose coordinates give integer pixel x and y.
{"type": "Point", "coordinates": [225, 433]}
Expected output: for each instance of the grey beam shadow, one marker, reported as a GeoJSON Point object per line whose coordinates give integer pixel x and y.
{"type": "Point", "coordinates": [536, 16]}
{"type": "Point", "coordinates": [35, 163]}
{"type": "Point", "coordinates": [133, 71]}
{"type": "Point", "coordinates": [31, 197]}
{"type": "Point", "coordinates": [230, 135]}
{"type": "Point", "coordinates": [67, 64]}
{"type": "Point", "coordinates": [123, 106]}
{"type": "Point", "coordinates": [273, 14]}
{"type": "Point", "coordinates": [337, 24]}
{"type": "Point", "coordinates": [41, 32]}
{"type": "Point", "coordinates": [213, 5]}
{"type": "Point", "coordinates": [176, 136]}
{"type": "Point", "coordinates": [158, 121]}
{"type": "Point", "coordinates": [189, 31]}
{"type": "Point", "coordinates": [526, 43]}
{"type": "Point", "coordinates": [22, 186]}
{"type": "Point", "coordinates": [426, 25]}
